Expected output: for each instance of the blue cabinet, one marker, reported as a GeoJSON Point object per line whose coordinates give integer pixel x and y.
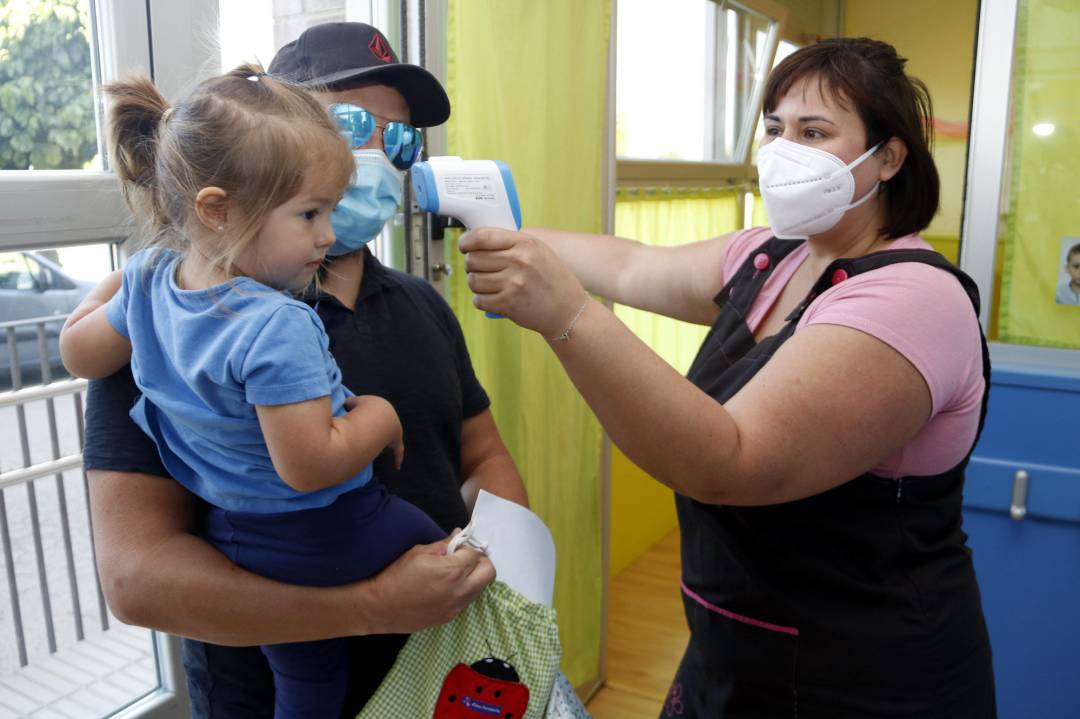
{"type": "Point", "coordinates": [1026, 541]}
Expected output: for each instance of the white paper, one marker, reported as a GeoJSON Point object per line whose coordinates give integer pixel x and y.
{"type": "Point", "coordinates": [518, 544]}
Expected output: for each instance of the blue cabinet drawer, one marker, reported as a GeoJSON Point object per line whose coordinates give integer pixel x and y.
{"type": "Point", "coordinates": [1031, 426]}
{"type": "Point", "coordinates": [1052, 492]}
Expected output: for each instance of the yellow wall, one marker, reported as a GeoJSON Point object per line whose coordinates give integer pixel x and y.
{"type": "Point", "coordinates": [810, 19]}
{"type": "Point", "coordinates": [642, 512]}
{"type": "Point", "coordinates": [938, 39]}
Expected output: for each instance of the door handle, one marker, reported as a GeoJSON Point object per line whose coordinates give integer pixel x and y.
{"type": "Point", "coordinates": [440, 270]}
{"type": "Point", "coordinates": [1018, 508]}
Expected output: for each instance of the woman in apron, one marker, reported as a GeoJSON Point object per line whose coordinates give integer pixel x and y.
{"type": "Point", "coordinates": [817, 446]}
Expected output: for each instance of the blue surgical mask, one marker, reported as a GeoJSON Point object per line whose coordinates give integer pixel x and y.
{"type": "Point", "coordinates": [371, 199]}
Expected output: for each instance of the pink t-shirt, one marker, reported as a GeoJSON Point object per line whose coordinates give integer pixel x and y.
{"type": "Point", "coordinates": [920, 311]}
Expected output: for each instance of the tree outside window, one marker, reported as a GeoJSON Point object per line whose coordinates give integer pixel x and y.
{"type": "Point", "coordinates": [46, 86]}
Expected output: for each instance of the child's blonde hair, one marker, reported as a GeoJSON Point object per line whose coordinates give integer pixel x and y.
{"type": "Point", "coordinates": [250, 134]}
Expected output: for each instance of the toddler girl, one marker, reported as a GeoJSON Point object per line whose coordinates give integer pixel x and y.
{"type": "Point", "coordinates": [239, 392]}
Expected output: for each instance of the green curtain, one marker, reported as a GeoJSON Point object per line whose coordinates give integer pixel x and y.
{"type": "Point", "coordinates": [527, 81]}
{"type": "Point", "coordinates": [1043, 204]}
{"type": "Point", "coordinates": [666, 219]}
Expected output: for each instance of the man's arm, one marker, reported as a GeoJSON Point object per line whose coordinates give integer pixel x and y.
{"type": "Point", "coordinates": [154, 573]}
{"type": "Point", "coordinates": [486, 463]}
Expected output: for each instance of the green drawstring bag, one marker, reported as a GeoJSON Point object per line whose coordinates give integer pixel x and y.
{"type": "Point", "coordinates": [498, 659]}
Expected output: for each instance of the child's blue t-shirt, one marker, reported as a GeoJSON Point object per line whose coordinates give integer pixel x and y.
{"type": "Point", "coordinates": [203, 359]}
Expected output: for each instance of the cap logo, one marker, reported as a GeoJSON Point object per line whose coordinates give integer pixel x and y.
{"type": "Point", "coordinates": [380, 48]}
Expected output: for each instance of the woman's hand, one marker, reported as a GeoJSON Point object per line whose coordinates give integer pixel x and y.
{"type": "Point", "coordinates": [516, 275]}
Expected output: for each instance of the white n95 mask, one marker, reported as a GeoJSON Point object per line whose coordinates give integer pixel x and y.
{"type": "Point", "coordinates": [805, 190]}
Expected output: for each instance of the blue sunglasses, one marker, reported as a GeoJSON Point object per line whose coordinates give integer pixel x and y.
{"type": "Point", "coordinates": [401, 142]}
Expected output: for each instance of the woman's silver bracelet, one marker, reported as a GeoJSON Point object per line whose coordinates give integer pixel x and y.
{"type": "Point", "coordinates": [566, 335]}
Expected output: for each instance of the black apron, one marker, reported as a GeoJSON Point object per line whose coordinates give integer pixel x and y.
{"type": "Point", "coordinates": [860, 601]}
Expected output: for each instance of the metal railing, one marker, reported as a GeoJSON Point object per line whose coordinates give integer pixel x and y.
{"type": "Point", "coordinates": [37, 331]}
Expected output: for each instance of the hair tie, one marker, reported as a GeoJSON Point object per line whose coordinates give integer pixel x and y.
{"type": "Point", "coordinates": [256, 76]}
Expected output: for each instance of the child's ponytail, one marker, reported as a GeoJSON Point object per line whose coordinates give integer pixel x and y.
{"type": "Point", "coordinates": [137, 112]}
{"type": "Point", "coordinates": [253, 136]}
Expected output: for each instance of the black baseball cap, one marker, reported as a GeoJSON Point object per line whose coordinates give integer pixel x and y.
{"type": "Point", "coordinates": [337, 54]}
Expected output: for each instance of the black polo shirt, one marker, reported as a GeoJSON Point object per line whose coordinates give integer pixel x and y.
{"type": "Point", "coordinates": [402, 343]}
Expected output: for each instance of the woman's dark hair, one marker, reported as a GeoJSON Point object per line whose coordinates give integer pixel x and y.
{"type": "Point", "coordinates": [868, 76]}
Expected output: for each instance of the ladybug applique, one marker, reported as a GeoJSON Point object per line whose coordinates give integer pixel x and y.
{"type": "Point", "coordinates": [488, 688]}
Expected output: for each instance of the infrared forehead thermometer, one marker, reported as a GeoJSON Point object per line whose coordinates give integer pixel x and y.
{"type": "Point", "coordinates": [479, 193]}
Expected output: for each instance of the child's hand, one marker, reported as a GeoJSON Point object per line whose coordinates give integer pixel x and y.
{"type": "Point", "coordinates": [90, 346]}
{"type": "Point", "coordinates": [398, 447]}
{"type": "Point", "coordinates": [382, 412]}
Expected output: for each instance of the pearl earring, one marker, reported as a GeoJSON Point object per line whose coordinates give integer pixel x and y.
{"type": "Point", "coordinates": [221, 228]}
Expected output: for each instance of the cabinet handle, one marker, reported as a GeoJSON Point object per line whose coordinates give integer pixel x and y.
{"type": "Point", "coordinates": [1018, 510]}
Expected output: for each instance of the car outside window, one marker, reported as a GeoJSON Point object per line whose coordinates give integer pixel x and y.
{"type": "Point", "coordinates": [15, 273]}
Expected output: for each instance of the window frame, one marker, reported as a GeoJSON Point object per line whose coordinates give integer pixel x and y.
{"type": "Point", "coordinates": [51, 208]}
{"type": "Point", "coordinates": [742, 174]}
{"type": "Point", "coordinates": [56, 208]}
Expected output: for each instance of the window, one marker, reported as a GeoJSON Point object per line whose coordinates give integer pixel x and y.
{"type": "Point", "coordinates": [54, 55]}
{"type": "Point", "coordinates": [253, 30]}
{"type": "Point", "coordinates": [1037, 283]}
{"type": "Point", "coordinates": [748, 38]}
{"type": "Point", "coordinates": [47, 108]}
{"type": "Point", "coordinates": [61, 219]}
{"type": "Point", "coordinates": [660, 94]}
{"type": "Point", "coordinates": [689, 77]}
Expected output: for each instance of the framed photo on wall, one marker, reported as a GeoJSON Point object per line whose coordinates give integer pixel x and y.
{"type": "Point", "coordinates": [1067, 290]}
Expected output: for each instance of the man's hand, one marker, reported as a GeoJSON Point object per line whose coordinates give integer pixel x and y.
{"type": "Point", "coordinates": [423, 588]}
